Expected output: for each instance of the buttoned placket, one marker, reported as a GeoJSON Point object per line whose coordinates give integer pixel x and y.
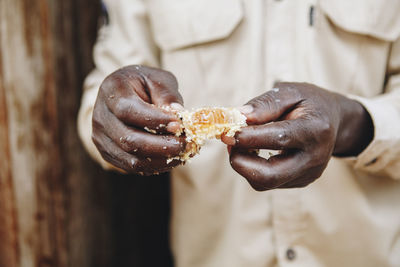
{"type": "Point", "coordinates": [280, 57]}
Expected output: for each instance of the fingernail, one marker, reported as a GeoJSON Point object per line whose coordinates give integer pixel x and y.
{"type": "Point", "coordinates": [246, 109]}
{"type": "Point", "coordinates": [176, 106]}
{"type": "Point", "coordinates": [173, 127]}
{"type": "Point", "coordinates": [229, 140]}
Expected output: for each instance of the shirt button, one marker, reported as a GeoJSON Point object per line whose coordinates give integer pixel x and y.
{"type": "Point", "coordinates": [290, 254]}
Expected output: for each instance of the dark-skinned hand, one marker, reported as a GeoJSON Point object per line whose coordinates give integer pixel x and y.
{"type": "Point", "coordinates": [128, 106]}
{"type": "Point", "coordinates": [307, 125]}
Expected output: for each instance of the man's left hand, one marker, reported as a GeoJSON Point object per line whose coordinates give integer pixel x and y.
{"type": "Point", "coordinates": [307, 125]}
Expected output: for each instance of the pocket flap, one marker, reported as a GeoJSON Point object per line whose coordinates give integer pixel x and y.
{"type": "Point", "coordinates": [377, 18]}
{"type": "Point", "coordinates": [180, 24]}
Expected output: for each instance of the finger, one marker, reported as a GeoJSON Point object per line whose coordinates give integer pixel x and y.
{"type": "Point", "coordinates": [150, 166]}
{"type": "Point", "coordinates": [139, 142]}
{"type": "Point", "coordinates": [127, 96]}
{"type": "Point", "coordinates": [311, 176]}
{"type": "Point", "coordinates": [135, 112]}
{"type": "Point", "coordinates": [271, 105]}
{"type": "Point", "coordinates": [131, 163]}
{"type": "Point", "coordinates": [263, 174]}
{"type": "Point", "coordinates": [162, 86]}
{"type": "Point", "coordinates": [279, 135]}
{"type": "Point", "coordinates": [113, 154]}
{"type": "Point", "coordinates": [150, 145]}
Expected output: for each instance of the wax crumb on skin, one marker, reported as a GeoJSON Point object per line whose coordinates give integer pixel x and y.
{"type": "Point", "coordinates": [150, 130]}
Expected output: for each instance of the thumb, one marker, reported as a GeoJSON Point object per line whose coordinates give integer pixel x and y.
{"type": "Point", "coordinates": [271, 105]}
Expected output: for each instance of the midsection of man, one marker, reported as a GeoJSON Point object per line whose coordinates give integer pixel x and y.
{"type": "Point", "coordinates": [226, 52]}
{"type": "Point", "coordinates": [219, 216]}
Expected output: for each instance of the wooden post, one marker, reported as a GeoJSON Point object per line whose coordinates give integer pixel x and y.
{"type": "Point", "coordinates": [8, 228]}
{"type": "Point", "coordinates": [48, 214]}
{"type": "Point", "coordinates": [57, 207]}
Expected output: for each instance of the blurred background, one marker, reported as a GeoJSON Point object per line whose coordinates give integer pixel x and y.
{"type": "Point", "coordinates": [57, 207]}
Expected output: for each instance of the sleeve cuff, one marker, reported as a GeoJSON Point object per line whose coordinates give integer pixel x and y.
{"type": "Point", "coordinates": [382, 154]}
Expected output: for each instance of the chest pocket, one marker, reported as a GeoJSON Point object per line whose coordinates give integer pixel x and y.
{"type": "Point", "coordinates": [352, 43]}
{"type": "Point", "coordinates": [180, 24]}
{"type": "Point", "coordinates": [375, 18]}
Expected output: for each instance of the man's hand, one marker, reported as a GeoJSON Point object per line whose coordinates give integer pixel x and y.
{"type": "Point", "coordinates": [307, 125]}
{"type": "Point", "coordinates": [130, 129]}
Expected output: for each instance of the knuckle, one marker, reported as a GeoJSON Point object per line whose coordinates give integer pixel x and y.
{"type": "Point", "coordinates": [287, 86]}
{"type": "Point", "coordinates": [171, 77]}
{"type": "Point", "coordinates": [107, 156]}
{"type": "Point", "coordinates": [129, 143]}
{"type": "Point", "coordinates": [319, 170]}
{"type": "Point", "coordinates": [97, 141]}
{"type": "Point", "coordinates": [264, 181]}
{"type": "Point", "coordinates": [325, 129]}
{"type": "Point", "coordinates": [110, 83]}
{"type": "Point", "coordinates": [122, 108]}
{"type": "Point", "coordinates": [320, 132]}
{"type": "Point", "coordinates": [315, 171]}
{"type": "Point", "coordinates": [133, 165]}
{"type": "Point", "coordinates": [97, 121]}
{"type": "Point", "coordinates": [284, 139]}
{"type": "Point", "coordinates": [318, 159]}
{"type": "Point", "coordinates": [266, 103]}
{"type": "Point", "coordinates": [257, 186]}
{"type": "Point", "coordinates": [271, 182]}
{"type": "Point", "coordinates": [267, 100]}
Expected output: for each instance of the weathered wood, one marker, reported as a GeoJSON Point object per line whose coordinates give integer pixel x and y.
{"type": "Point", "coordinates": [48, 215]}
{"type": "Point", "coordinates": [8, 229]}
{"type": "Point", "coordinates": [32, 124]}
{"type": "Point", "coordinates": [57, 207]}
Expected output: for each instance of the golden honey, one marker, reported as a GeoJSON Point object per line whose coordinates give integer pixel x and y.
{"type": "Point", "coordinates": [209, 117]}
{"type": "Point", "coordinates": [207, 123]}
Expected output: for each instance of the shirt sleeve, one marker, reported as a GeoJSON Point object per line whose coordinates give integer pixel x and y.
{"type": "Point", "coordinates": [382, 156]}
{"type": "Point", "coordinates": [125, 40]}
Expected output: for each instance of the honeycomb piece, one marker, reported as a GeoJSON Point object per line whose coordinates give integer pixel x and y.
{"type": "Point", "coordinates": [207, 123]}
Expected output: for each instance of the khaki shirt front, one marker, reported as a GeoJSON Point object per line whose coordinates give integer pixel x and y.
{"type": "Point", "coordinates": [225, 52]}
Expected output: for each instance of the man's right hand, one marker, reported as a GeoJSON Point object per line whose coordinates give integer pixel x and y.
{"type": "Point", "coordinates": [130, 129]}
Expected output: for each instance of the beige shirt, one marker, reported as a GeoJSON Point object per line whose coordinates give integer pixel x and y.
{"type": "Point", "coordinates": [225, 52]}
